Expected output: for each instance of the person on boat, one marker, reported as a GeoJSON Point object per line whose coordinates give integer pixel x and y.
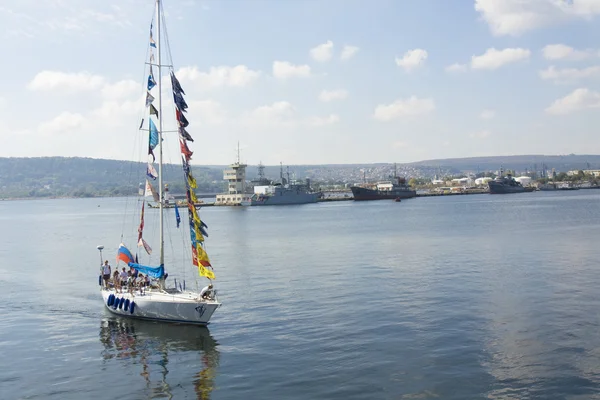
{"type": "Point", "coordinates": [146, 281]}
{"type": "Point", "coordinates": [106, 273]}
{"type": "Point", "coordinates": [123, 275]}
{"type": "Point", "coordinates": [133, 271]}
{"type": "Point", "coordinates": [116, 281]}
{"type": "Point", "coordinates": [130, 282]}
{"type": "Point", "coordinates": [206, 293]}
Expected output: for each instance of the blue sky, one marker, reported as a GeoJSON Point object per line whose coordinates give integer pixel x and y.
{"type": "Point", "coordinates": [418, 80]}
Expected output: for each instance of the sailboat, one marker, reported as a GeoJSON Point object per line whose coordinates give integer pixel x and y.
{"type": "Point", "coordinates": [154, 297]}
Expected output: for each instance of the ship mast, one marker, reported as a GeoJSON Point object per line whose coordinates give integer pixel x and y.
{"type": "Point", "coordinates": [160, 130]}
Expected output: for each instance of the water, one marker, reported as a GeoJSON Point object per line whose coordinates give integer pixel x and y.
{"type": "Point", "coordinates": [463, 297]}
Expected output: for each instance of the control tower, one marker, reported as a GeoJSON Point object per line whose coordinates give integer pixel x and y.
{"type": "Point", "coordinates": [236, 184]}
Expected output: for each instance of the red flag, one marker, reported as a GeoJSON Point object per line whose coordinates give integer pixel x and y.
{"type": "Point", "coordinates": [141, 228]}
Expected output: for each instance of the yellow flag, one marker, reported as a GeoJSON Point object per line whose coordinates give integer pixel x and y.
{"type": "Point", "coordinates": [202, 256]}
{"type": "Point", "coordinates": [192, 181]}
{"type": "Point", "coordinates": [206, 272]}
{"type": "Point", "coordinates": [193, 197]}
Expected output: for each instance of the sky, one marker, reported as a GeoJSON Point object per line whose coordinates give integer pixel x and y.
{"type": "Point", "coordinates": [305, 81]}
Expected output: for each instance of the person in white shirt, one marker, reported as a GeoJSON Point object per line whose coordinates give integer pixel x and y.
{"type": "Point", "coordinates": [206, 292]}
{"type": "Point", "coordinates": [123, 275]}
{"type": "Point", "coordinates": [106, 273]}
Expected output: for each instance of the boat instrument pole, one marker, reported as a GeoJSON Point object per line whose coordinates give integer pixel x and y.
{"type": "Point", "coordinates": [160, 130]}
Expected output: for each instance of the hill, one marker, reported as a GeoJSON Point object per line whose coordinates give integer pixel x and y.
{"type": "Point", "coordinates": [86, 177]}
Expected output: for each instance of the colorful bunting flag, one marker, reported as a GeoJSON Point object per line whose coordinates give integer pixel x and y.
{"type": "Point", "coordinates": [151, 172]}
{"type": "Point", "coordinates": [151, 81]}
{"type": "Point", "coordinates": [149, 99]}
{"type": "Point", "coordinates": [141, 227]}
{"type": "Point", "coordinates": [150, 191]}
{"type": "Point", "coordinates": [184, 134]}
{"type": "Point", "coordinates": [153, 110]}
{"type": "Point", "coordinates": [175, 84]}
{"type": "Point", "coordinates": [179, 101]}
{"type": "Point", "coordinates": [177, 217]}
{"type": "Point", "coordinates": [183, 122]}
{"type": "Point", "coordinates": [153, 135]}
{"type": "Point", "coordinates": [146, 246]}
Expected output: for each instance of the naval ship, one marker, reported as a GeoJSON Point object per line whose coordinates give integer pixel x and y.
{"type": "Point", "coordinates": [507, 184]}
{"type": "Point", "coordinates": [284, 193]}
{"type": "Point", "coordinates": [392, 190]}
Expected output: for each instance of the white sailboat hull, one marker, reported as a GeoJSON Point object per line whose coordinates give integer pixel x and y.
{"type": "Point", "coordinates": [180, 307]}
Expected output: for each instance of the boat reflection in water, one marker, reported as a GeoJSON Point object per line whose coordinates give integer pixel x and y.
{"type": "Point", "coordinates": [147, 345]}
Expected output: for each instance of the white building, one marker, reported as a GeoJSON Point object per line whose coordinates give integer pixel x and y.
{"type": "Point", "coordinates": [236, 186]}
{"type": "Point", "coordinates": [524, 180]}
{"type": "Point", "coordinates": [482, 181]}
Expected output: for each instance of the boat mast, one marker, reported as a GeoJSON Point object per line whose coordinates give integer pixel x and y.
{"type": "Point", "coordinates": [160, 129]}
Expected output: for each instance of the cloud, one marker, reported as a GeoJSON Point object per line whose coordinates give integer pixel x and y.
{"type": "Point", "coordinates": [65, 122]}
{"type": "Point", "coordinates": [480, 135]}
{"type": "Point", "coordinates": [567, 75]}
{"type": "Point", "coordinates": [487, 114]}
{"type": "Point", "coordinates": [121, 89]}
{"type": "Point", "coordinates": [330, 95]}
{"type": "Point", "coordinates": [564, 52]}
{"type": "Point", "coordinates": [348, 52]}
{"type": "Point", "coordinates": [322, 52]}
{"type": "Point", "coordinates": [412, 59]}
{"type": "Point", "coordinates": [285, 70]}
{"type": "Point", "coordinates": [208, 112]}
{"type": "Point", "coordinates": [238, 76]}
{"type": "Point", "coordinates": [456, 67]}
{"type": "Point", "coordinates": [276, 114]}
{"type": "Point", "coordinates": [493, 58]}
{"type": "Point", "coordinates": [64, 81]}
{"type": "Point", "coordinates": [399, 144]}
{"type": "Point", "coordinates": [579, 99]}
{"type": "Point", "coordinates": [323, 121]}
{"type": "Point", "coordinates": [402, 108]}
{"type": "Point", "coordinates": [514, 17]}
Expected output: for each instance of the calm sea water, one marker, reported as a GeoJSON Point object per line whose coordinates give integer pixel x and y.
{"type": "Point", "coordinates": [464, 297]}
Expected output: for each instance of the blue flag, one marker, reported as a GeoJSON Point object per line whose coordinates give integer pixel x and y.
{"type": "Point", "coordinates": [177, 217]}
{"type": "Point", "coordinates": [153, 135]}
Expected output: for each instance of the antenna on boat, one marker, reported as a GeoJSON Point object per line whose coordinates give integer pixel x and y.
{"type": "Point", "coordinates": [100, 248]}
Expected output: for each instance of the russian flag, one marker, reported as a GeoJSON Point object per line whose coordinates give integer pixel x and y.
{"type": "Point", "coordinates": [124, 254]}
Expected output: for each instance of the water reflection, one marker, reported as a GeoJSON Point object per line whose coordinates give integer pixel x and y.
{"type": "Point", "coordinates": [146, 346]}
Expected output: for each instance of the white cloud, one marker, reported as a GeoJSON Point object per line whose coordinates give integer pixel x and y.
{"type": "Point", "coordinates": [280, 113]}
{"type": "Point", "coordinates": [480, 135]}
{"type": "Point", "coordinates": [323, 121]}
{"type": "Point", "coordinates": [456, 67]}
{"type": "Point", "coordinates": [238, 76]}
{"type": "Point", "coordinates": [401, 108]}
{"type": "Point", "coordinates": [121, 89]}
{"type": "Point", "coordinates": [514, 17]}
{"type": "Point", "coordinates": [71, 82]}
{"type": "Point", "coordinates": [493, 58]}
{"type": "Point", "coordinates": [330, 95]}
{"type": "Point", "coordinates": [285, 70]}
{"type": "Point", "coordinates": [579, 99]}
{"type": "Point", "coordinates": [348, 52]}
{"type": "Point", "coordinates": [564, 52]}
{"type": "Point", "coordinates": [208, 112]}
{"type": "Point", "coordinates": [566, 75]}
{"type": "Point", "coordinates": [487, 114]}
{"type": "Point", "coordinates": [66, 122]}
{"type": "Point", "coordinates": [412, 59]}
{"type": "Point", "coordinates": [399, 144]}
{"type": "Point", "coordinates": [322, 52]}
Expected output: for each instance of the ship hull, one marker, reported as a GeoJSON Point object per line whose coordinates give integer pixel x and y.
{"type": "Point", "coordinates": [361, 194]}
{"type": "Point", "coordinates": [499, 188]}
{"type": "Point", "coordinates": [275, 200]}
